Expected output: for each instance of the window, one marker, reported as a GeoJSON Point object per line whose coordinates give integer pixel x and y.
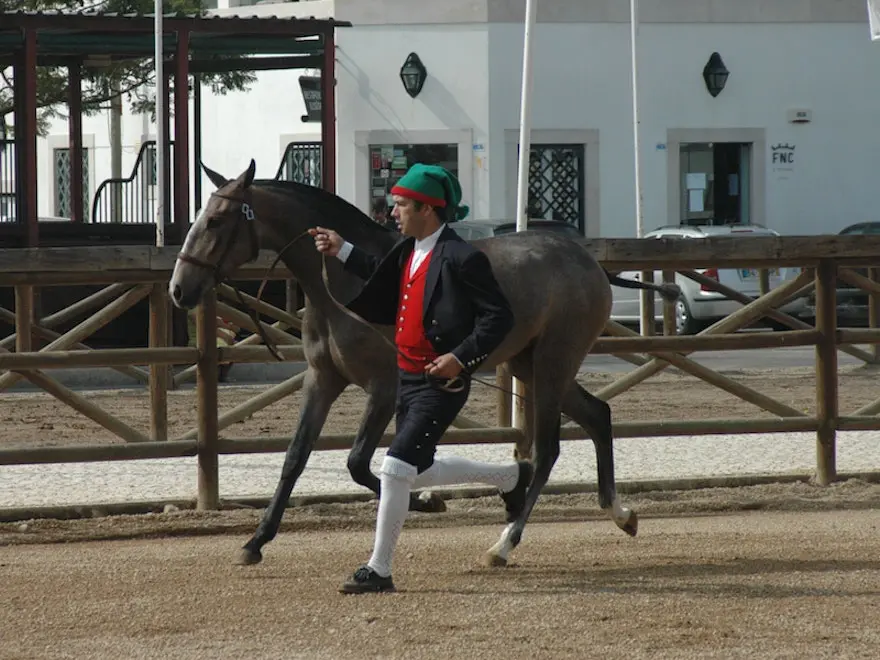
{"type": "Point", "coordinates": [61, 170]}
{"type": "Point", "coordinates": [715, 179]}
{"type": "Point", "coordinates": [301, 162]}
{"type": "Point", "coordinates": [389, 162]}
{"type": "Point", "coordinates": [556, 183]}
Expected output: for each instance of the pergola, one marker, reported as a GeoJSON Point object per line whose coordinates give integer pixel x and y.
{"type": "Point", "coordinates": [192, 45]}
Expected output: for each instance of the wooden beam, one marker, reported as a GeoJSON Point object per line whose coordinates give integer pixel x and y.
{"type": "Point", "coordinates": [328, 114]}
{"type": "Point", "coordinates": [75, 135]}
{"type": "Point", "coordinates": [826, 372]}
{"type": "Point", "coordinates": [181, 132]}
{"type": "Point", "coordinates": [159, 374]}
{"type": "Point", "coordinates": [206, 388]}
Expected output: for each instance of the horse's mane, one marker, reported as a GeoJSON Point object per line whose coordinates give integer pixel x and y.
{"type": "Point", "coordinates": [348, 220]}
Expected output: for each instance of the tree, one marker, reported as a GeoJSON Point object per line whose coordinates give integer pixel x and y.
{"type": "Point", "coordinates": [131, 80]}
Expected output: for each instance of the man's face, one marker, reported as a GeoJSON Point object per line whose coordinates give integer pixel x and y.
{"type": "Point", "coordinates": [410, 220]}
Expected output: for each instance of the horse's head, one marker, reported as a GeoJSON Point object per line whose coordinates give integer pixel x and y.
{"type": "Point", "coordinates": [222, 239]}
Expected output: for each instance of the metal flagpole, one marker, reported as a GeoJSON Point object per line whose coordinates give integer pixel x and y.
{"type": "Point", "coordinates": [522, 179]}
{"type": "Point", "coordinates": [160, 126]}
{"type": "Point", "coordinates": [633, 25]}
{"type": "Point", "coordinates": [874, 19]}
{"type": "Point", "coordinates": [640, 221]}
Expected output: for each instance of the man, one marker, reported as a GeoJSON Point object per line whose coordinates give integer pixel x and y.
{"type": "Point", "coordinates": [380, 213]}
{"type": "Point", "coordinates": [450, 314]}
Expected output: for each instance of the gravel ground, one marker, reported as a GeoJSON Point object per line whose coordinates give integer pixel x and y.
{"type": "Point", "coordinates": [769, 571]}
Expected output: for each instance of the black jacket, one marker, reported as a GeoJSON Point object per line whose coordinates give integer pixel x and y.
{"type": "Point", "coordinates": [465, 311]}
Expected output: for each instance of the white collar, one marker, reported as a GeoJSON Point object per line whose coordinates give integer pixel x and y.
{"type": "Point", "coordinates": [427, 244]}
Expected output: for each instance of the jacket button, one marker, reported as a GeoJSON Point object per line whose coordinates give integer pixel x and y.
{"type": "Point", "coordinates": [434, 322]}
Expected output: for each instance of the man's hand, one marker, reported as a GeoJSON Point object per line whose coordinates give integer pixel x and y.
{"type": "Point", "coordinates": [445, 366]}
{"type": "Point", "coordinates": [326, 240]}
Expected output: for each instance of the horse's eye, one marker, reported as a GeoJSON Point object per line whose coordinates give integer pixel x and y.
{"type": "Point", "coordinates": [213, 221]}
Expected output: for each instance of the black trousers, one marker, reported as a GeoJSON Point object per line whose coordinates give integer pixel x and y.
{"type": "Point", "coordinates": [424, 412]}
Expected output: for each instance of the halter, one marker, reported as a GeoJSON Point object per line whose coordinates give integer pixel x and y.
{"type": "Point", "coordinates": [249, 219]}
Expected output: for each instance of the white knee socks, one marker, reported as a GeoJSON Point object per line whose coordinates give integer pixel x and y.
{"type": "Point", "coordinates": [450, 470]}
{"type": "Point", "coordinates": [396, 478]}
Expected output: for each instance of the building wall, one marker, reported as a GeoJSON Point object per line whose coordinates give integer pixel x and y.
{"type": "Point", "coordinates": [784, 55]}
{"type": "Point", "coordinates": [774, 68]}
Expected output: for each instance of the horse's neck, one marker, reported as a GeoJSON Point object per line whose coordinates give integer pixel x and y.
{"type": "Point", "coordinates": [305, 263]}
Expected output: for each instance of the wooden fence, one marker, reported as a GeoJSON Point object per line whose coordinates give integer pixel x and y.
{"type": "Point", "coordinates": [133, 273]}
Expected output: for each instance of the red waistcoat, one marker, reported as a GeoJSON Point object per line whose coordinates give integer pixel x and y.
{"type": "Point", "coordinates": [414, 349]}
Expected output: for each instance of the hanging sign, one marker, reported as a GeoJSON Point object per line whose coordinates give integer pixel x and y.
{"type": "Point", "coordinates": [311, 91]}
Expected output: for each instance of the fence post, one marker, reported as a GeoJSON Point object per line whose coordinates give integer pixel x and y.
{"type": "Point", "coordinates": [826, 372]}
{"type": "Point", "coordinates": [648, 324]}
{"type": "Point", "coordinates": [24, 314]}
{"type": "Point", "coordinates": [159, 372]}
{"type": "Point", "coordinates": [669, 324]}
{"type": "Point", "coordinates": [874, 311]}
{"type": "Point", "coordinates": [504, 408]}
{"type": "Point", "coordinates": [206, 389]}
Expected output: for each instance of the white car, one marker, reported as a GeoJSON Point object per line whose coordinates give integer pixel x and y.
{"type": "Point", "coordinates": [699, 307]}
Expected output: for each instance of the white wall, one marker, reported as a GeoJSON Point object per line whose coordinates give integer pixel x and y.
{"type": "Point", "coordinates": [582, 80]}
{"type": "Point", "coordinates": [370, 96]}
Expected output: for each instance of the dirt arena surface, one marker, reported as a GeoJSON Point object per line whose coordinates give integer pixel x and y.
{"type": "Point", "coordinates": [33, 419]}
{"type": "Point", "coordinates": [781, 571]}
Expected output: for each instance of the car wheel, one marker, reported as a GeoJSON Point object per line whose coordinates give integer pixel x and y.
{"type": "Point", "coordinates": [685, 324]}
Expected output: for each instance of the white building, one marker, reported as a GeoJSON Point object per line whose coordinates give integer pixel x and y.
{"type": "Point", "coordinates": [790, 142]}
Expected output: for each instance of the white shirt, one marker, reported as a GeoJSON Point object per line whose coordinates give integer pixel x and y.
{"type": "Point", "coordinates": [420, 251]}
{"type": "Point", "coordinates": [422, 248]}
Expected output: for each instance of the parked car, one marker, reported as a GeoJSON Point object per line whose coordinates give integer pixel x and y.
{"type": "Point", "coordinates": [698, 306]}
{"type": "Point", "coordinates": [471, 230]}
{"type": "Point", "coordinates": [852, 303]}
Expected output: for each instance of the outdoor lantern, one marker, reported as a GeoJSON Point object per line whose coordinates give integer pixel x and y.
{"type": "Point", "coordinates": [715, 74]}
{"type": "Point", "coordinates": [413, 74]}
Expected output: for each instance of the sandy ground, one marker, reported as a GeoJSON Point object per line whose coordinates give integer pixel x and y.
{"type": "Point", "coordinates": [768, 571]}
{"type": "Point", "coordinates": [32, 419]}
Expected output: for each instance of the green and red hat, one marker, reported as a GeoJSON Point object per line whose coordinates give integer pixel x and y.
{"type": "Point", "coordinates": [432, 185]}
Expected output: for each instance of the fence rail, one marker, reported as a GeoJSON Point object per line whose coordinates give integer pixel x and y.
{"type": "Point", "coordinates": [137, 272]}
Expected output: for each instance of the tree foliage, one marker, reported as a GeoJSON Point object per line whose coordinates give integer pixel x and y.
{"type": "Point", "coordinates": [131, 80]}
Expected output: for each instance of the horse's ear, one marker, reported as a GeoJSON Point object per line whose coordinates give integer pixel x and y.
{"type": "Point", "coordinates": [247, 177]}
{"type": "Point", "coordinates": [216, 178]}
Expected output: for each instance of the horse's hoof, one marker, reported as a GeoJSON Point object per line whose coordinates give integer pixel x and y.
{"type": "Point", "coordinates": [494, 561]}
{"type": "Point", "coordinates": [428, 502]}
{"type": "Point", "coordinates": [248, 557]}
{"type": "Point", "coordinates": [631, 524]}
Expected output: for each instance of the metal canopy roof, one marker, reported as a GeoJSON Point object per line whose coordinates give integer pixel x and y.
{"type": "Point", "coordinates": [82, 34]}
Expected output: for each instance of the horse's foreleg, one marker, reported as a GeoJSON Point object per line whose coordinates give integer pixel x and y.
{"type": "Point", "coordinates": [594, 415]}
{"type": "Point", "coordinates": [319, 393]}
{"type": "Point", "coordinates": [378, 413]}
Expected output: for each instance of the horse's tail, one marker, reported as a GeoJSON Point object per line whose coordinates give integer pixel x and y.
{"type": "Point", "coordinates": [667, 291]}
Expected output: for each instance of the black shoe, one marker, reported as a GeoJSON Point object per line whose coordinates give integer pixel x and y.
{"type": "Point", "coordinates": [515, 499]}
{"type": "Point", "coordinates": [367, 581]}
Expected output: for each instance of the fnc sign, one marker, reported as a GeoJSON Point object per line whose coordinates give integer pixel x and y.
{"type": "Point", "coordinates": [782, 154]}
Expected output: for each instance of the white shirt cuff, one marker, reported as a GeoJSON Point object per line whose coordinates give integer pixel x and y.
{"type": "Point", "coordinates": [344, 251]}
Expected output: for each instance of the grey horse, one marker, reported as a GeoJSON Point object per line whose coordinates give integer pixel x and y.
{"type": "Point", "coordinates": [561, 298]}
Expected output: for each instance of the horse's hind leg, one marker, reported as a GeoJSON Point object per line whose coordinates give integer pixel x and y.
{"type": "Point", "coordinates": [319, 392]}
{"type": "Point", "coordinates": [544, 421]}
{"type": "Point", "coordinates": [380, 409]}
{"type": "Point", "coordinates": [594, 415]}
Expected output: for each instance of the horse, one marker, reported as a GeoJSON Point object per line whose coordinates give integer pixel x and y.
{"type": "Point", "coordinates": [560, 296]}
